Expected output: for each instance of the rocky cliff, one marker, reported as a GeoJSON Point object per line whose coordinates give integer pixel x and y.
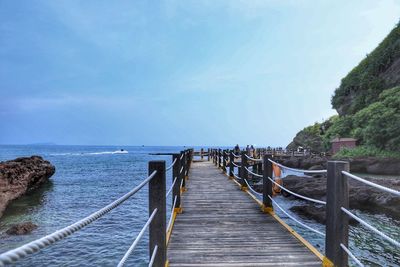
{"type": "Point", "coordinates": [20, 176]}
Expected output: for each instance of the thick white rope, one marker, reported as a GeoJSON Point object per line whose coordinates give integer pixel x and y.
{"type": "Point", "coordinates": [234, 164]}
{"type": "Point", "coordinates": [381, 187]}
{"type": "Point", "coordinates": [153, 256]}
{"type": "Point", "coordinates": [297, 170]}
{"type": "Point", "coordinates": [253, 173]}
{"type": "Point", "coordinates": [137, 239]}
{"type": "Point", "coordinates": [236, 156]}
{"type": "Point", "coordinates": [38, 244]}
{"type": "Point", "coordinates": [253, 159]}
{"type": "Point", "coordinates": [237, 177]}
{"type": "Point", "coordinates": [297, 195]}
{"type": "Point", "coordinates": [172, 187]}
{"type": "Point", "coordinates": [170, 166]}
{"type": "Point", "coordinates": [181, 170]}
{"type": "Point", "coordinates": [370, 227]}
{"type": "Point", "coordinates": [351, 255]}
{"type": "Point", "coordinates": [251, 189]}
{"type": "Point", "coordinates": [182, 156]}
{"type": "Point", "coordinates": [294, 219]}
{"type": "Point", "coordinates": [172, 214]}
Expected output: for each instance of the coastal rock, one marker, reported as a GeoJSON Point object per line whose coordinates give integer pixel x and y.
{"type": "Point", "coordinates": [21, 228]}
{"type": "Point", "coordinates": [362, 196]}
{"type": "Point", "coordinates": [20, 176]}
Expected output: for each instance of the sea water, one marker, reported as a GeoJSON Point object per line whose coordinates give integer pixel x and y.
{"type": "Point", "coordinates": [89, 177]}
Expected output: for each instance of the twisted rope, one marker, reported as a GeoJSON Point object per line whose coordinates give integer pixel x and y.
{"type": "Point", "coordinates": [172, 187]}
{"type": "Point", "coordinates": [294, 219]}
{"type": "Point", "coordinates": [297, 195]}
{"type": "Point", "coordinates": [237, 177]}
{"type": "Point", "coordinates": [170, 166]}
{"type": "Point", "coordinates": [381, 187]}
{"type": "Point", "coordinates": [370, 227]}
{"type": "Point", "coordinates": [234, 164]}
{"type": "Point", "coordinates": [137, 239]}
{"type": "Point", "coordinates": [351, 255]}
{"type": "Point", "coordinates": [38, 244]}
{"type": "Point", "coordinates": [297, 170]}
{"type": "Point", "coordinates": [253, 159]}
{"type": "Point", "coordinates": [236, 156]}
{"type": "Point", "coordinates": [172, 214]}
{"type": "Point", "coordinates": [251, 189]}
{"type": "Point", "coordinates": [253, 173]}
{"type": "Point", "coordinates": [153, 256]}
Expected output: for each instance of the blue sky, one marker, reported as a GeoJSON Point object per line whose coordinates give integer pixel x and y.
{"type": "Point", "coordinates": [178, 72]}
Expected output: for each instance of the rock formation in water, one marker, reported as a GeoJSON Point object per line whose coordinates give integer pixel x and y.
{"type": "Point", "coordinates": [20, 176]}
{"type": "Point", "coordinates": [21, 228]}
{"type": "Point", "coordinates": [362, 196]}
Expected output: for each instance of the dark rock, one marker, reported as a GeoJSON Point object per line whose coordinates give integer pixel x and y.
{"type": "Point", "coordinates": [21, 229]}
{"type": "Point", "coordinates": [311, 212]}
{"type": "Point", "coordinates": [21, 176]}
{"type": "Point", "coordinates": [362, 196]}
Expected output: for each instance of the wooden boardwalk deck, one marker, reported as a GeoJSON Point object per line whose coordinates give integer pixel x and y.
{"type": "Point", "coordinates": [223, 226]}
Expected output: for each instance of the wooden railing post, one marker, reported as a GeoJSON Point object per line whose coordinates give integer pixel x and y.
{"type": "Point", "coordinates": [215, 157]}
{"type": "Point", "coordinates": [243, 171]}
{"type": "Point", "coordinates": [208, 154]}
{"type": "Point", "coordinates": [267, 185]}
{"type": "Point", "coordinates": [201, 153]}
{"type": "Point", "coordinates": [176, 191]}
{"type": "Point", "coordinates": [231, 166]}
{"type": "Point", "coordinates": [224, 161]}
{"type": "Point", "coordinates": [337, 223]}
{"type": "Point", "coordinates": [157, 229]}
{"type": "Point", "coordinates": [185, 164]}
{"type": "Point", "coordinates": [219, 158]}
{"type": "Point", "coordinates": [182, 174]}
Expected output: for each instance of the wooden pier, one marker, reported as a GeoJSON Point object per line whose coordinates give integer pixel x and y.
{"type": "Point", "coordinates": [221, 225]}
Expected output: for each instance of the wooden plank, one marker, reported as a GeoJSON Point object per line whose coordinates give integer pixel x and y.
{"type": "Point", "coordinates": [222, 226]}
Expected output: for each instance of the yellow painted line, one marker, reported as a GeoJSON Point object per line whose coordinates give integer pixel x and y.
{"type": "Point", "coordinates": [290, 229]}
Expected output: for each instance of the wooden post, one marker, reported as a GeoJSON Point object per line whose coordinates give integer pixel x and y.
{"type": "Point", "coordinates": [337, 223]}
{"type": "Point", "coordinates": [243, 171]}
{"type": "Point", "coordinates": [157, 229]}
{"type": "Point", "coordinates": [208, 154]}
{"type": "Point", "coordinates": [231, 166]}
{"type": "Point", "coordinates": [267, 185]}
{"type": "Point", "coordinates": [224, 161]}
{"type": "Point", "coordinates": [176, 191]}
{"type": "Point", "coordinates": [185, 164]}
{"type": "Point", "coordinates": [219, 158]}
{"type": "Point", "coordinates": [182, 174]}
{"type": "Point", "coordinates": [201, 154]}
{"type": "Point", "coordinates": [216, 157]}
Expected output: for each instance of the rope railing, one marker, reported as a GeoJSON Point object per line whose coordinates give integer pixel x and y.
{"type": "Point", "coordinates": [253, 173]}
{"type": "Point", "coordinates": [36, 245]}
{"type": "Point", "coordinates": [172, 214]}
{"type": "Point", "coordinates": [170, 166]}
{"type": "Point", "coordinates": [172, 187]}
{"type": "Point", "coordinates": [252, 189]}
{"type": "Point", "coordinates": [236, 165]}
{"type": "Point", "coordinates": [237, 177]}
{"type": "Point", "coordinates": [253, 159]}
{"type": "Point", "coordinates": [370, 227]}
{"type": "Point", "coordinates": [357, 261]}
{"type": "Point", "coordinates": [294, 219]}
{"type": "Point", "coordinates": [181, 170]}
{"type": "Point", "coordinates": [381, 187]}
{"type": "Point", "coordinates": [298, 170]}
{"type": "Point", "coordinates": [236, 156]}
{"type": "Point", "coordinates": [153, 256]}
{"type": "Point", "coordinates": [297, 195]}
{"type": "Point", "coordinates": [137, 239]}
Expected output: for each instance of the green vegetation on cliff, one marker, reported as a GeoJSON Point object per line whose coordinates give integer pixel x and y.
{"type": "Point", "coordinates": [368, 103]}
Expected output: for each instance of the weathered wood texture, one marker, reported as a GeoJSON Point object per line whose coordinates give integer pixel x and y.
{"type": "Point", "coordinates": [222, 226]}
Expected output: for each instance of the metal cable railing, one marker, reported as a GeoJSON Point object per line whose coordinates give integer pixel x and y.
{"type": "Point", "coordinates": [297, 195]}
{"type": "Point", "coordinates": [36, 245]}
{"type": "Point", "coordinates": [294, 219]}
{"type": "Point", "coordinates": [298, 170]}
{"type": "Point", "coordinates": [137, 239]}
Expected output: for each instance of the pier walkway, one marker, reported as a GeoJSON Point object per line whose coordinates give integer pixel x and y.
{"type": "Point", "coordinates": [221, 225]}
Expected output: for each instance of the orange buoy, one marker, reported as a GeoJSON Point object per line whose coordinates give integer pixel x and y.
{"type": "Point", "coordinates": [276, 189]}
{"type": "Point", "coordinates": [277, 170]}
